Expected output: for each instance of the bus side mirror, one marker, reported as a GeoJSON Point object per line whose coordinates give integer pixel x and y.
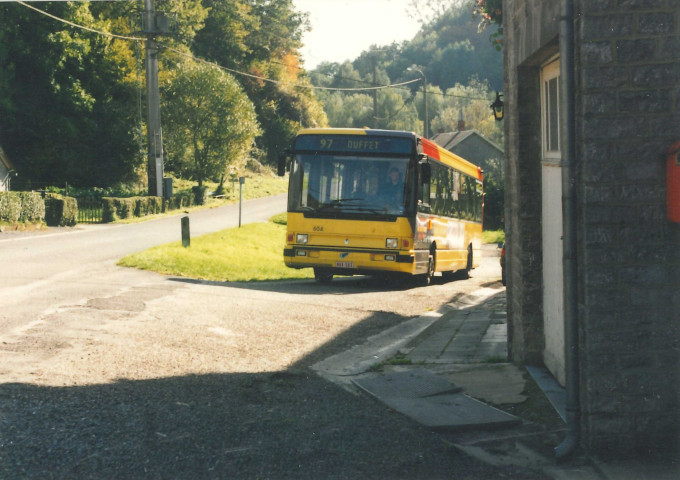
{"type": "Point", "coordinates": [425, 172]}
{"type": "Point", "coordinates": [283, 158]}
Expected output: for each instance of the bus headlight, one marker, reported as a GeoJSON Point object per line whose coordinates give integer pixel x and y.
{"type": "Point", "coordinates": [301, 238]}
{"type": "Point", "coordinates": [391, 243]}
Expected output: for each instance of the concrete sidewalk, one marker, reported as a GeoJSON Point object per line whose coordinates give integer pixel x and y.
{"type": "Point", "coordinates": [449, 371]}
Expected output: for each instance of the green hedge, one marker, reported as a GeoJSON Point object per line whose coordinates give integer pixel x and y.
{"type": "Point", "coordinates": [25, 207]}
{"type": "Point", "coordinates": [200, 194]}
{"type": "Point", "coordinates": [32, 207]}
{"type": "Point", "coordinates": [147, 206]}
{"type": "Point", "coordinates": [179, 201]}
{"type": "Point", "coordinates": [10, 207]}
{"type": "Point", "coordinates": [119, 208]}
{"type": "Point", "coordinates": [60, 211]}
{"type": "Point", "coordinates": [116, 208]}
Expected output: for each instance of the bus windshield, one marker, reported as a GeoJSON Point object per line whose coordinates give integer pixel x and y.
{"type": "Point", "coordinates": [346, 185]}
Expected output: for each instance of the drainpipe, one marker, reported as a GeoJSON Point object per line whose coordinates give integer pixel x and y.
{"type": "Point", "coordinates": [566, 38]}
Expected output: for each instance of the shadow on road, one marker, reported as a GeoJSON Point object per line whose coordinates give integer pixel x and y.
{"type": "Point", "coordinates": [282, 425]}
{"type": "Point", "coordinates": [288, 424]}
{"type": "Point", "coordinates": [339, 285]}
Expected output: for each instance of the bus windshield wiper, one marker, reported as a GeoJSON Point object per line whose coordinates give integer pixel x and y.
{"type": "Point", "coordinates": [341, 202]}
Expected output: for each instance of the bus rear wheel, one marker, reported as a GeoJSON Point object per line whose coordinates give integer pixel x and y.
{"type": "Point", "coordinates": [323, 275]}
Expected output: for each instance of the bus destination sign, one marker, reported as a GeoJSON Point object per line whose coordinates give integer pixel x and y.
{"type": "Point", "coordinates": [354, 144]}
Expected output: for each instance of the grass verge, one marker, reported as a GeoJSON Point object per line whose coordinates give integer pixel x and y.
{"type": "Point", "coordinates": [253, 252]}
{"type": "Point", "coordinates": [493, 236]}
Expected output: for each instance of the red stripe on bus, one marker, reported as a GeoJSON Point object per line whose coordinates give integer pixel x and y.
{"type": "Point", "coordinates": [430, 149]}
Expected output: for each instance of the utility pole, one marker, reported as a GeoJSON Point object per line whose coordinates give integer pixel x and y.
{"type": "Point", "coordinates": [153, 115]}
{"type": "Point", "coordinates": [422, 74]}
{"type": "Point", "coordinates": [427, 129]}
{"type": "Point", "coordinates": [375, 92]}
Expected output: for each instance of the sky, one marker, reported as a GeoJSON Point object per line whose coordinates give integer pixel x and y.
{"type": "Point", "coordinates": [342, 29]}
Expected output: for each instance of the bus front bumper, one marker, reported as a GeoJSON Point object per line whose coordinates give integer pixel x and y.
{"type": "Point", "coordinates": [348, 262]}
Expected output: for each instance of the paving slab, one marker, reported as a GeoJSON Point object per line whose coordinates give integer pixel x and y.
{"type": "Point", "coordinates": [496, 383]}
{"type": "Point", "coordinates": [423, 397]}
{"type": "Point", "coordinates": [376, 349]}
{"type": "Point", "coordinates": [418, 383]}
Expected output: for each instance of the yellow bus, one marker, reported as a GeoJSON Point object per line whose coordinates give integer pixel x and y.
{"type": "Point", "coordinates": [365, 201]}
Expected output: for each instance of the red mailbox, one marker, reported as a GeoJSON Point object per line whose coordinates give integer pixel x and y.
{"type": "Point", "coordinates": [673, 183]}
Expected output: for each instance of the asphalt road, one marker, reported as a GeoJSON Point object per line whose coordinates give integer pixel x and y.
{"type": "Point", "coordinates": [108, 372]}
{"type": "Point", "coordinates": [40, 272]}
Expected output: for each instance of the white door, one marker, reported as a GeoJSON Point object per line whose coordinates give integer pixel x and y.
{"type": "Point", "coordinates": [551, 172]}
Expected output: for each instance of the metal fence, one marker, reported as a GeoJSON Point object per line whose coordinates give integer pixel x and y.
{"type": "Point", "coordinates": [89, 209]}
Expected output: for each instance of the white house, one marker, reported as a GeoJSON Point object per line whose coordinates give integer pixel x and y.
{"type": "Point", "coordinates": [6, 171]}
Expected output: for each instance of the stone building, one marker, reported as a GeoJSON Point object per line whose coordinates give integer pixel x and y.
{"type": "Point", "coordinates": [592, 103]}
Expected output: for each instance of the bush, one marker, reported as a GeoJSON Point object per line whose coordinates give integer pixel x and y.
{"type": "Point", "coordinates": [200, 193]}
{"type": "Point", "coordinates": [10, 207]}
{"type": "Point", "coordinates": [60, 211]}
{"type": "Point", "coordinates": [118, 208]}
{"type": "Point", "coordinates": [179, 201]}
{"type": "Point", "coordinates": [108, 210]}
{"type": "Point", "coordinates": [32, 207]}
{"type": "Point", "coordinates": [25, 207]}
{"type": "Point", "coordinates": [148, 206]}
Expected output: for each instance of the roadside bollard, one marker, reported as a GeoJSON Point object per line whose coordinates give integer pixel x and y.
{"type": "Point", "coordinates": [186, 237]}
{"type": "Point", "coordinates": [241, 181]}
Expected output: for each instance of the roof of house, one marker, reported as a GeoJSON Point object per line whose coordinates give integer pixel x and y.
{"type": "Point", "coordinates": [449, 140]}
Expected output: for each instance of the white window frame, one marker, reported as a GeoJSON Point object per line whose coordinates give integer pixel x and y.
{"type": "Point", "coordinates": [549, 72]}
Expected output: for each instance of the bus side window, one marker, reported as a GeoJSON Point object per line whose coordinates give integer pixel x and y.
{"type": "Point", "coordinates": [424, 193]}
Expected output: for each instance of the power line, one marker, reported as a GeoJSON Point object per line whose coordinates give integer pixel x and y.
{"type": "Point", "coordinates": [358, 80]}
{"type": "Point", "coordinates": [238, 72]}
{"type": "Point", "coordinates": [279, 82]}
{"type": "Point", "coordinates": [62, 20]}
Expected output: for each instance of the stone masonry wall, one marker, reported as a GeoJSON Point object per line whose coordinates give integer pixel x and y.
{"type": "Point", "coordinates": [628, 113]}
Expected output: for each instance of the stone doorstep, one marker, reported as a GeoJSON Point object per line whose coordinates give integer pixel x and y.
{"type": "Point", "coordinates": [432, 401]}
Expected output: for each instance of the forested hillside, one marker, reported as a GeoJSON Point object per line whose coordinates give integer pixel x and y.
{"type": "Point", "coordinates": [462, 67]}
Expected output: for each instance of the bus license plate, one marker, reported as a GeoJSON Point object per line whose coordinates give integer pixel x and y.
{"type": "Point", "coordinates": [344, 264]}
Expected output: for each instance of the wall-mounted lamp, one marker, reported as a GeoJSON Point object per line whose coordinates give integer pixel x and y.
{"type": "Point", "coordinates": [497, 107]}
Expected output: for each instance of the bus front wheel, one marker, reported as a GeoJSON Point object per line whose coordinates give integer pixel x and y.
{"type": "Point", "coordinates": [426, 278]}
{"type": "Point", "coordinates": [465, 274]}
{"type": "Point", "coordinates": [323, 275]}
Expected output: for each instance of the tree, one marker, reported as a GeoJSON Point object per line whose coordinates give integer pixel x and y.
{"type": "Point", "coordinates": [209, 122]}
{"type": "Point", "coordinates": [491, 12]}
{"type": "Point", "coordinates": [67, 114]}
{"type": "Point", "coordinates": [263, 38]}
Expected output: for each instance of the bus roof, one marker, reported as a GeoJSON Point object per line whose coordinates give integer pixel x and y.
{"type": "Point", "coordinates": [357, 131]}
{"type": "Point", "coordinates": [446, 157]}
{"type": "Point", "coordinates": [428, 147]}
